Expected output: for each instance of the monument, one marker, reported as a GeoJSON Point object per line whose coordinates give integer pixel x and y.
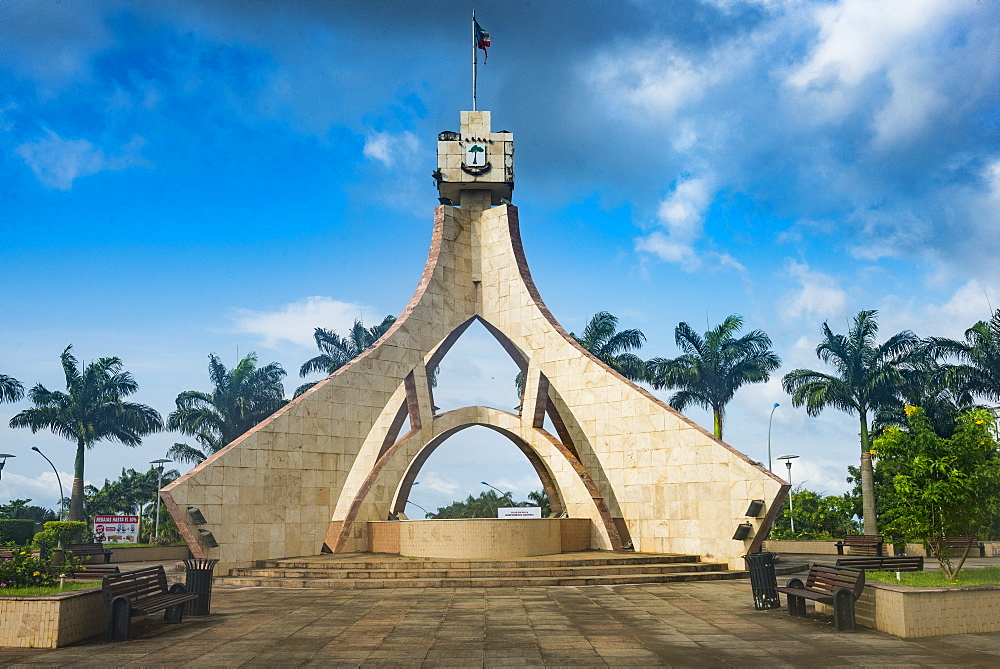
{"type": "Point", "coordinates": [325, 472]}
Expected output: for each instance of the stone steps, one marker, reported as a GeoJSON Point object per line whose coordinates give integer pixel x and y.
{"type": "Point", "coordinates": [602, 558]}
{"type": "Point", "coordinates": [504, 582]}
{"type": "Point", "coordinates": [365, 570]}
{"type": "Point", "coordinates": [509, 572]}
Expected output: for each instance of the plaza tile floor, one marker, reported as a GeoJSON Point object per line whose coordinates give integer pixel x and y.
{"type": "Point", "coordinates": [683, 624]}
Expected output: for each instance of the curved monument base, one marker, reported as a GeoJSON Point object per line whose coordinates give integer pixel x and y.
{"type": "Point", "coordinates": [480, 538]}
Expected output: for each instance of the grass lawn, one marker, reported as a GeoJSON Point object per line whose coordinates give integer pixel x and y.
{"type": "Point", "coordinates": [49, 590]}
{"type": "Point", "coordinates": [935, 579]}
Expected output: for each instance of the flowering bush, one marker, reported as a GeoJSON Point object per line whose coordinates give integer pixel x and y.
{"type": "Point", "coordinates": [24, 569]}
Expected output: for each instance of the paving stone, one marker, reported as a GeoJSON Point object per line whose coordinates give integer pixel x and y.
{"type": "Point", "coordinates": [619, 626]}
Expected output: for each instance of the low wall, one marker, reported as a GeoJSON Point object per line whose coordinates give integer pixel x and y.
{"type": "Point", "coordinates": [918, 612]}
{"type": "Point", "coordinates": [146, 554]}
{"type": "Point", "coordinates": [54, 620]}
{"type": "Point", "coordinates": [829, 547]}
{"type": "Point", "coordinates": [479, 538]}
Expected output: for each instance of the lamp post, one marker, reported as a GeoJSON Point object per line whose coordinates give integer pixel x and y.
{"type": "Point", "coordinates": [3, 461]}
{"type": "Point", "coordinates": [426, 512]}
{"type": "Point", "coordinates": [791, 496]}
{"type": "Point", "coordinates": [62, 498]}
{"type": "Point", "coordinates": [502, 493]}
{"type": "Point", "coordinates": [776, 405]}
{"type": "Point", "coordinates": [159, 483]}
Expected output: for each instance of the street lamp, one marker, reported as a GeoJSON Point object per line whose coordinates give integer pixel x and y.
{"type": "Point", "coordinates": [502, 493]}
{"type": "Point", "coordinates": [62, 502]}
{"type": "Point", "coordinates": [426, 512]}
{"type": "Point", "coordinates": [159, 484]}
{"type": "Point", "coordinates": [3, 461]}
{"type": "Point", "coordinates": [791, 496]}
{"type": "Point", "coordinates": [776, 405]}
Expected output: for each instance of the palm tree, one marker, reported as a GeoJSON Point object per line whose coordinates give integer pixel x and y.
{"type": "Point", "coordinates": [243, 396]}
{"type": "Point", "coordinates": [602, 339]}
{"type": "Point", "coordinates": [129, 494]}
{"type": "Point", "coordinates": [611, 347]}
{"type": "Point", "coordinates": [11, 389]}
{"type": "Point", "coordinates": [337, 351]}
{"type": "Point", "coordinates": [713, 367]}
{"type": "Point", "coordinates": [925, 385]}
{"type": "Point", "coordinates": [979, 371]}
{"type": "Point", "coordinates": [868, 377]}
{"type": "Point", "coordinates": [92, 409]}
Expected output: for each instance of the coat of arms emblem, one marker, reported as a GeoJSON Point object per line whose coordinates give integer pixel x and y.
{"type": "Point", "coordinates": [475, 158]}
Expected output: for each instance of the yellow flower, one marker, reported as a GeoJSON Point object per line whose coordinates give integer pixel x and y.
{"type": "Point", "coordinates": [980, 422]}
{"type": "Point", "coordinates": [36, 573]}
{"type": "Point", "coordinates": [910, 409]}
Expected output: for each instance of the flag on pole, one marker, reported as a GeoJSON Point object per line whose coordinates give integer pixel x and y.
{"type": "Point", "coordinates": [482, 40]}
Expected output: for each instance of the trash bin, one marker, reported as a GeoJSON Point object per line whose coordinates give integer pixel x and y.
{"type": "Point", "coordinates": [763, 581]}
{"type": "Point", "coordinates": [199, 582]}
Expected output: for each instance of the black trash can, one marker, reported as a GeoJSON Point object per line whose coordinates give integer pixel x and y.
{"type": "Point", "coordinates": [199, 582]}
{"type": "Point", "coordinates": [763, 581]}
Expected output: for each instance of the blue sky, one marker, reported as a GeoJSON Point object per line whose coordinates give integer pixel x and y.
{"type": "Point", "coordinates": [181, 178]}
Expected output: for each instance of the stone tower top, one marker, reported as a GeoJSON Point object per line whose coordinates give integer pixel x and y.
{"type": "Point", "coordinates": [475, 159]}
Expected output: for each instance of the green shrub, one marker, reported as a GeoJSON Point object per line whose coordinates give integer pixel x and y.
{"type": "Point", "coordinates": [65, 531]}
{"type": "Point", "coordinates": [16, 531]}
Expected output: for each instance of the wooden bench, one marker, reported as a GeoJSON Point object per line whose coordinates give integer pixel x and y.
{"type": "Point", "coordinates": [961, 543]}
{"type": "Point", "coordinates": [899, 563]}
{"type": "Point", "coordinates": [89, 550]}
{"type": "Point", "coordinates": [141, 592]}
{"type": "Point", "coordinates": [867, 543]}
{"type": "Point", "coordinates": [839, 586]}
{"type": "Point", "coordinates": [95, 571]}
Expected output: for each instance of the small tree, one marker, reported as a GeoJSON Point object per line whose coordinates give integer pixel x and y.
{"type": "Point", "coordinates": [949, 487]}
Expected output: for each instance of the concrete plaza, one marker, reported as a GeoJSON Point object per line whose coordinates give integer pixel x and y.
{"type": "Point", "coordinates": [682, 624]}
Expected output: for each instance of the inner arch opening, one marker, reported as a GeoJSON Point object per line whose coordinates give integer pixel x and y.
{"type": "Point", "coordinates": [456, 467]}
{"type": "Point", "coordinates": [475, 369]}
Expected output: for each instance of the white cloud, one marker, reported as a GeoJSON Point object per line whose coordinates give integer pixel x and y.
{"type": "Point", "coordinates": [863, 43]}
{"type": "Point", "coordinates": [682, 216]}
{"type": "Point", "coordinates": [295, 322]}
{"type": "Point", "coordinates": [42, 490]}
{"type": "Point", "coordinates": [58, 162]}
{"type": "Point", "coordinates": [434, 481]}
{"type": "Point", "coordinates": [392, 149]}
{"type": "Point", "coordinates": [817, 295]}
{"type": "Point", "coordinates": [659, 82]}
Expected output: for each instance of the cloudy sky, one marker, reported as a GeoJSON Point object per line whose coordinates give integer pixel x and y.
{"type": "Point", "coordinates": [181, 178]}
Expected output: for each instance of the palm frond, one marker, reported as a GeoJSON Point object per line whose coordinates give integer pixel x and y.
{"type": "Point", "coordinates": [11, 389]}
{"type": "Point", "coordinates": [185, 453]}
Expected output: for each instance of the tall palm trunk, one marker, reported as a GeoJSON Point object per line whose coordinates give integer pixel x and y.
{"type": "Point", "coordinates": [717, 423]}
{"type": "Point", "coordinates": [867, 480]}
{"type": "Point", "coordinates": [76, 498]}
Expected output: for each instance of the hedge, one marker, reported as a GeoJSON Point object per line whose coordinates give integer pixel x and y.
{"type": "Point", "coordinates": [18, 531]}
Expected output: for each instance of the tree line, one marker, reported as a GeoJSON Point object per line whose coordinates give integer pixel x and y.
{"type": "Point", "coordinates": [872, 381]}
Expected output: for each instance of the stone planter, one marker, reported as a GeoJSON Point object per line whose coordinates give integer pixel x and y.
{"type": "Point", "coordinates": [52, 621]}
{"type": "Point", "coordinates": [910, 612]}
